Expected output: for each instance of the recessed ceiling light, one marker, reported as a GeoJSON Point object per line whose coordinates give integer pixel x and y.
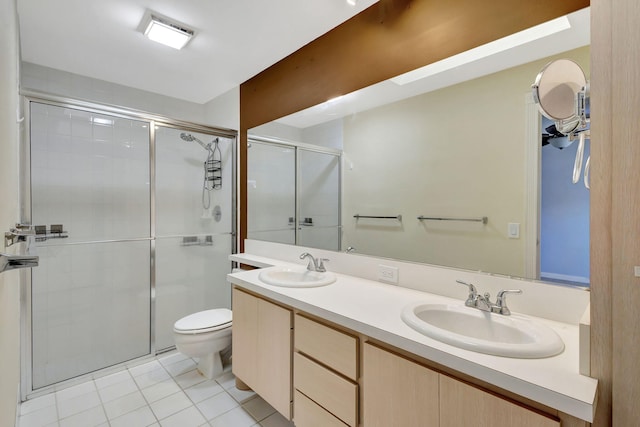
{"type": "Point", "coordinates": [352, 2]}
{"type": "Point", "coordinates": [168, 33]}
{"type": "Point", "coordinates": [486, 50]}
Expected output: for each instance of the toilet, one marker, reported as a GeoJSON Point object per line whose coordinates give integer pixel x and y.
{"type": "Point", "coordinates": [204, 335]}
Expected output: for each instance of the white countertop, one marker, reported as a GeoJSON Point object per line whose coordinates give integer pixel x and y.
{"type": "Point", "coordinates": [373, 309]}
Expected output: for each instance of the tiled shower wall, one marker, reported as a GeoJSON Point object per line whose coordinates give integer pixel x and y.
{"type": "Point", "coordinates": [90, 296]}
{"type": "Point", "coordinates": [190, 276]}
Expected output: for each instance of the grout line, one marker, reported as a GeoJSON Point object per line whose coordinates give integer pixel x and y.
{"type": "Point", "coordinates": [104, 411]}
{"type": "Point", "coordinates": [148, 405]}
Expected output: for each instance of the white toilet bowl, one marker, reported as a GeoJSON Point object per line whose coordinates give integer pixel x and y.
{"type": "Point", "coordinates": [204, 335]}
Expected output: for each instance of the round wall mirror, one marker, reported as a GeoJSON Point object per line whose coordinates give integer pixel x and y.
{"type": "Point", "coordinates": [560, 90]}
{"type": "Point", "coordinates": [557, 91]}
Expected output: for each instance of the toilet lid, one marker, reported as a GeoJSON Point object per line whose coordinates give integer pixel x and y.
{"type": "Point", "coordinates": [217, 318]}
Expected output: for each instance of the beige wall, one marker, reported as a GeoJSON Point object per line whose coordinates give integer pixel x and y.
{"type": "Point", "coordinates": [9, 281]}
{"type": "Point", "coordinates": [455, 152]}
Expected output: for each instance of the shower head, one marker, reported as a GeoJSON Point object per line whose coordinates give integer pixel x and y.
{"type": "Point", "coordinates": [188, 137]}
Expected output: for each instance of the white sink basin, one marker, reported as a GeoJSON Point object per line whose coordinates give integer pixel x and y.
{"type": "Point", "coordinates": [472, 329]}
{"type": "Point", "coordinates": [296, 278]}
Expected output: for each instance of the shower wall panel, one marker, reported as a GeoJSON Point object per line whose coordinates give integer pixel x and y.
{"type": "Point", "coordinates": [90, 305]}
{"type": "Point", "coordinates": [91, 294]}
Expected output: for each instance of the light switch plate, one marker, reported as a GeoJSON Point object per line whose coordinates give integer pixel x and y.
{"type": "Point", "coordinates": [513, 230]}
{"type": "Point", "coordinates": [636, 271]}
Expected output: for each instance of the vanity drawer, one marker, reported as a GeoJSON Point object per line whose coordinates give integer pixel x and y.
{"type": "Point", "coordinates": [327, 345]}
{"type": "Point", "coordinates": [308, 414]}
{"type": "Point", "coordinates": [336, 394]}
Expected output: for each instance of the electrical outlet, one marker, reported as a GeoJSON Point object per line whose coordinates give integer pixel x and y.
{"type": "Point", "coordinates": [388, 274]}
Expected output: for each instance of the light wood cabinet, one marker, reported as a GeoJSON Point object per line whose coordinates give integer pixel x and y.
{"type": "Point", "coordinates": [315, 374]}
{"type": "Point", "coordinates": [397, 391]}
{"type": "Point", "coordinates": [325, 373]}
{"type": "Point", "coordinates": [262, 348]}
{"type": "Point", "coordinates": [307, 413]}
{"type": "Point", "coordinates": [464, 405]}
{"type": "Point", "coordinates": [327, 345]}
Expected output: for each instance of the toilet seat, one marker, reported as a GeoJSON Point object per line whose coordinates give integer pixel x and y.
{"type": "Point", "coordinates": [204, 321]}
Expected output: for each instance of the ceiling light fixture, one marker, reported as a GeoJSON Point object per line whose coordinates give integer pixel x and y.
{"type": "Point", "coordinates": [168, 33]}
{"type": "Point", "coordinates": [352, 2]}
{"type": "Point", "coordinates": [526, 36]}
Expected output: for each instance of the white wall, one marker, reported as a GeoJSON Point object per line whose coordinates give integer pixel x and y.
{"type": "Point", "coordinates": [327, 134]}
{"type": "Point", "coordinates": [224, 110]}
{"type": "Point", "coordinates": [75, 86]}
{"type": "Point", "coordinates": [9, 281]}
{"type": "Point", "coordinates": [277, 130]}
{"type": "Point", "coordinates": [455, 152]}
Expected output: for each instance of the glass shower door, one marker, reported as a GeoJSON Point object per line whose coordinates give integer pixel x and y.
{"type": "Point", "coordinates": [194, 226]}
{"type": "Point", "coordinates": [90, 201]}
{"type": "Point", "coordinates": [271, 192]}
{"type": "Point", "coordinates": [319, 195]}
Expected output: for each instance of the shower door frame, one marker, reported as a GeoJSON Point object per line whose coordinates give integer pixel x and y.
{"type": "Point", "coordinates": [28, 96]}
{"type": "Point", "coordinates": [297, 146]}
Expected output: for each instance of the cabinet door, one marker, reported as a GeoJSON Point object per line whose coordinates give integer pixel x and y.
{"type": "Point", "coordinates": [244, 337]}
{"type": "Point", "coordinates": [462, 405]}
{"type": "Point", "coordinates": [274, 356]}
{"type": "Point", "coordinates": [397, 391]}
{"type": "Point", "coordinates": [262, 349]}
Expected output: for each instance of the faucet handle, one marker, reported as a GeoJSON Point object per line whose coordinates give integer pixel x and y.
{"type": "Point", "coordinates": [473, 294]}
{"type": "Point", "coordinates": [321, 268]}
{"type": "Point", "coordinates": [501, 301]}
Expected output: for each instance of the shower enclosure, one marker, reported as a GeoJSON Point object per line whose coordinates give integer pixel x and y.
{"type": "Point", "coordinates": [131, 232]}
{"type": "Point", "coordinates": [293, 193]}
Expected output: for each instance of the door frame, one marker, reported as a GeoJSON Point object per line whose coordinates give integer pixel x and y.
{"type": "Point", "coordinates": [532, 153]}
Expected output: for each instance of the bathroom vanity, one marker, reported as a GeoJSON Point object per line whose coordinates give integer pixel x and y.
{"type": "Point", "coordinates": [339, 355]}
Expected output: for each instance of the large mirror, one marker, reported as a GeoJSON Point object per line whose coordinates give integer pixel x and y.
{"type": "Point", "coordinates": [450, 165]}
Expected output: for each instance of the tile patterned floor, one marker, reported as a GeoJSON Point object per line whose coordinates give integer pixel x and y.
{"type": "Point", "coordinates": [167, 392]}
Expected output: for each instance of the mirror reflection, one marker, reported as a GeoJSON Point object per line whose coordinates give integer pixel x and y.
{"type": "Point", "coordinates": [444, 166]}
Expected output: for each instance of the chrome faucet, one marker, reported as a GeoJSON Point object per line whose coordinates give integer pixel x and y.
{"type": "Point", "coordinates": [483, 302]}
{"type": "Point", "coordinates": [315, 264]}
